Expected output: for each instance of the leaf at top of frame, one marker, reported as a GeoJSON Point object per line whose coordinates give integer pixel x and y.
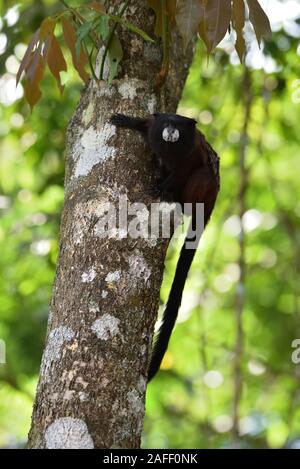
{"type": "Point", "coordinates": [188, 16]}
{"type": "Point", "coordinates": [259, 20]}
{"type": "Point", "coordinates": [238, 21]}
{"type": "Point", "coordinates": [217, 21]}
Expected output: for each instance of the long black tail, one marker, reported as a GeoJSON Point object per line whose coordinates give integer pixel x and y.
{"type": "Point", "coordinates": [171, 311]}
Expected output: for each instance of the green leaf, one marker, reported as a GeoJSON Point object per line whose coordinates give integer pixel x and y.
{"type": "Point", "coordinates": [82, 32]}
{"type": "Point", "coordinates": [102, 27]}
{"type": "Point", "coordinates": [115, 55]}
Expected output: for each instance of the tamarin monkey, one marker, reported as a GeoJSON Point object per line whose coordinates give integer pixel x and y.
{"type": "Point", "coordinates": [190, 171]}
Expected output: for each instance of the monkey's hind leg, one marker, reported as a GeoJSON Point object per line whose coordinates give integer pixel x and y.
{"type": "Point", "coordinates": [135, 123]}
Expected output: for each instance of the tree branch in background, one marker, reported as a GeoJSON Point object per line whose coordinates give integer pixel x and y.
{"type": "Point", "coordinates": [240, 289]}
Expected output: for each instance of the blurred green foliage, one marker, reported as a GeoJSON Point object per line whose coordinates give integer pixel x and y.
{"type": "Point", "coordinates": [190, 403]}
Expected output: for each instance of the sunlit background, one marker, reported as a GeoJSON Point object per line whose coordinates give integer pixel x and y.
{"type": "Point", "coordinates": [229, 378]}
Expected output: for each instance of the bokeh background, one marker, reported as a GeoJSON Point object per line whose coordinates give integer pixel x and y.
{"type": "Point", "coordinates": [230, 378]}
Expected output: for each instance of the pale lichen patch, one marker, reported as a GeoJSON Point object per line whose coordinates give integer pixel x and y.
{"type": "Point", "coordinates": [50, 316]}
{"type": "Point", "coordinates": [69, 395]}
{"type": "Point", "coordinates": [113, 276]}
{"type": "Point", "coordinates": [68, 375]}
{"type": "Point", "coordinates": [56, 339]}
{"type": "Point", "coordinates": [127, 89]}
{"type": "Point", "coordinates": [136, 401]}
{"type": "Point", "coordinates": [89, 275]}
{"type": "Point", "coordinates": [93, 307]}
{"type": "Point", "coordinates": [106, 327]}
{"type": "Point", "coordinates": [104, 90]}
{"type": "Point", "coordinates": [83, 396]}
{"type": "Point", "coordinates": [142, 384]}
{"type": "Point", "coordinates": [87, 114]}
{"type": "Point", "coordinates": [80, 380]}
{"type": "Point", "coordinates": [68, 433]}
{"type": "Point", "coordinates": [84, 213]}
{"type": "Point", "coordinates": [138, 268]}
{"type": "Point", "coordinates": [93, 148]}
{"type": "Point", "coordinates": [152, 104]}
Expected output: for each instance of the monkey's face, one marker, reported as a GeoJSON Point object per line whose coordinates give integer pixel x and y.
{"type": "Point", "coordinates": [172, 135]}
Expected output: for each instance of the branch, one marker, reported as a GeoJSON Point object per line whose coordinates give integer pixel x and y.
{"type": "Point", "coordinates": [240, 289]}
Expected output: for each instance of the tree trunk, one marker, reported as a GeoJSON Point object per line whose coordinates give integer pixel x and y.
{"type": "Point", "coordinates": [92, 384]}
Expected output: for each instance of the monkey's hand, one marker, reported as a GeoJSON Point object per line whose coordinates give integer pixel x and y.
{"type": "Point", "coordinates": [135, 123]}
{"type": "Point", "coordinates": [119, 120]}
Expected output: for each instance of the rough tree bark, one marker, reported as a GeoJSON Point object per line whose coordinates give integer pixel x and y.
{"type": "Point", "coordinates": [92, 384]}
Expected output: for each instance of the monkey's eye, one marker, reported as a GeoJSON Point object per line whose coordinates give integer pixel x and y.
{"type": "Point", "coordinates": [170, 134]}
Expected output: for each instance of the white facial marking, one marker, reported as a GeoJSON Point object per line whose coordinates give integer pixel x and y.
{"type": "Point", "coordinates": [170, 134]}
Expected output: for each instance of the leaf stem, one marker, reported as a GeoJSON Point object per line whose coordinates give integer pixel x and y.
{"type": "Point", "coordinates": [166, 45]}
{"type": "Point", "coordinates": [165, 32]}
{"type": "Point", "coordinates": [89, 56]}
